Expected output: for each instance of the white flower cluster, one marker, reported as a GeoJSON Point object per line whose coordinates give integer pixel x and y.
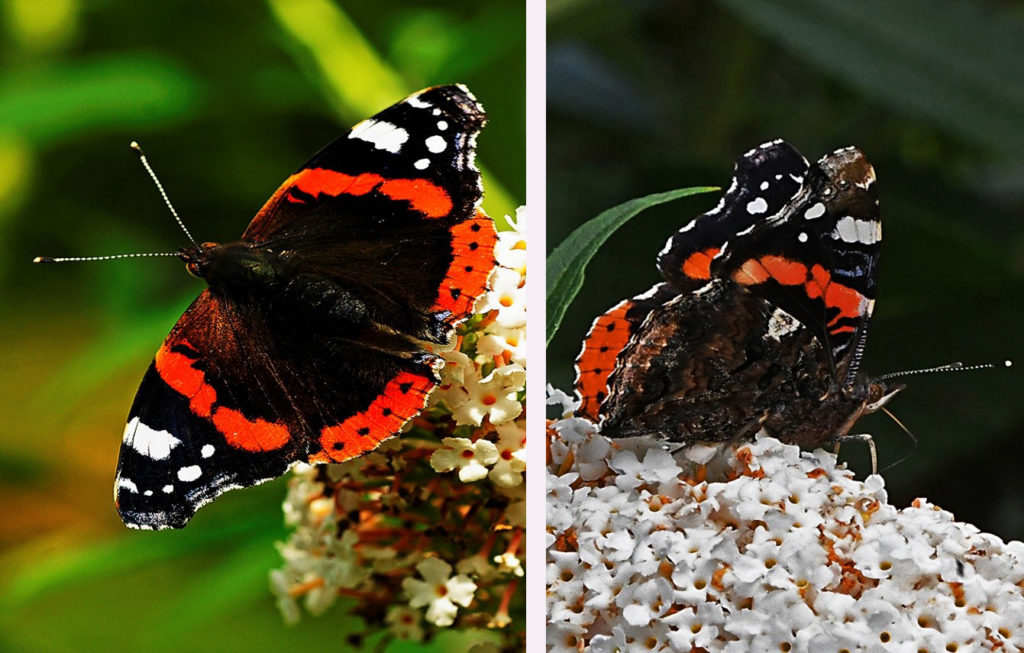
{"type": "Point", "coordinates": [413, 543]}
{"type": "Point", "coordinates": [760, 547]}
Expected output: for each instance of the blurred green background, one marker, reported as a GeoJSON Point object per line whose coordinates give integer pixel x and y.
{"type": "Point", "coordinates": [652, 95]}
{"type": "Point", "coordinates": [227, 98]}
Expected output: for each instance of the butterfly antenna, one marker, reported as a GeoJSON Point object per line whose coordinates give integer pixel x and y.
{"type": "Point", "coordinates": [951, 367]}
{"type": "Point", "coordinates": [74, 259]}
{"type": "Point", "coordinates": [913, 439]}
{"type": "Point", "coordinates": [142, 157]}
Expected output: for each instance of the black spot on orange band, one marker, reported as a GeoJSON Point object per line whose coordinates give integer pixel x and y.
{"type": "Point", "coordinates": [402, 398]}
{"type": "Point", "coordinates": [473, 243]}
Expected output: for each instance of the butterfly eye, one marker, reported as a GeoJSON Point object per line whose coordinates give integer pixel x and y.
{"type": "Point", "coordinates": [192, 268]}
{"type": "Point", "coordinates": [209, 244]}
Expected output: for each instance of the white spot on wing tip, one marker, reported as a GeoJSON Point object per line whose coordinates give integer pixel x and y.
{"type": "Point", "coordinates": [382, 135]}
{"type": "Point", "coordinates": [757, 206]}
{"type": "Point", "coordinates": [436, 144]}
{"type": "Point", "coordinates": [148, 441]}
{"type": "Point", "coordinates": [815, 211]}
{"type": "Point", "coordinates": [207, 450]}
{"type": "Point", "coordinates": [167, 489]}
{"type": "Point", "coordinates": [415, 101]}
{"type": "Point", "coordinates": [851, 230]}
{"type": "Point", "coordinates": [190, 473]}
{"type": "Point", "coordinates": [421, 164]}
{"type": "Point", "coordinates": [127, 484]}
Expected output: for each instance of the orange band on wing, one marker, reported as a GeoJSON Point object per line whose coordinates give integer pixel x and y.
{"type": "Point", "coordinates": [785, 271]}
{"type": "Point", "coordinates": [698, 264]}
{"type": "Point", "coordinates": [402, 398]}
{"type": "Point", "coordinates": [178, 371]}
{"type": "Point", "coordinates": [817, 283]}
{"type": "Point", "coordinates": [249, 434]}
{"type": "Point", "coordinates": [424, 196]}
{"type": "Point", "coordinates": [472, 261]}
{"type": "Point", "coordinates": [750, 273]}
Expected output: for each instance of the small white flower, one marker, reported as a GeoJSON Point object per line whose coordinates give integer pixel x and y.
{"type": "Point", "coordinates": [498, 340]}
{"type": "Point", "coordinates": [510, 250]}
{"type": "Point", "coordinates": [508, 471]}
{"type": "Point", "coordinates": [556, 397]}
{"type": "Point", "coordinates": [475, 566]}
{"type": "Point", "coordinates": [405, 622]}
{"type": "Point", "coordinates": [439, 590]}
{"type": "Point", "coordinates": [456, 366]}
{"type": "Point", "coordinates": [470, 458]}
{"type": "Point", "coordinates": [494, 397]}
{"type": "Point", "coordinates": [507, 296]}
{"type": "Point", "coordinates": [509, 563]}
{"type": "Point", "coordinates": [515, 514]}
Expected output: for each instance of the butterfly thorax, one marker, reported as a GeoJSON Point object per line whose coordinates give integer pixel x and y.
{"type": "Point", "coordinates": [239, 267]}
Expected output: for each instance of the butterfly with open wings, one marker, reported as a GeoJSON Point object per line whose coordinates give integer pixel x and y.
{"type": "Point", "coordinates": [310, 343]}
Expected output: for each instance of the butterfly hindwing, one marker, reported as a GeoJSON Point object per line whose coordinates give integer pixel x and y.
{"type": "Point", "coordinates": [605, 340]}
{"type": "Point", "coordinates": [715, 365]}
{"type": "Point", "coordinates": [231, 401]}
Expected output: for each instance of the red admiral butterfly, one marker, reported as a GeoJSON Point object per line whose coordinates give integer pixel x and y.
{"type": "Point", "coordinates": [762, 318]}
{"type": "Point", "coordinates": [309, 343]}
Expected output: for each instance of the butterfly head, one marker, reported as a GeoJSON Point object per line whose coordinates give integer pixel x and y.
{"type": "Point", "coordinates": [197, 259]}
{"type": "Point", "coordinates": [879, 393]}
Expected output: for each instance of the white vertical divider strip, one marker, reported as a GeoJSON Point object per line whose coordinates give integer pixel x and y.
{"type": "Point", "coordinates": [536, 195]}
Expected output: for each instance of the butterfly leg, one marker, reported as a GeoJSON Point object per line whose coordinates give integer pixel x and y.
{"type": "Point", "coordinates": [861, 437]}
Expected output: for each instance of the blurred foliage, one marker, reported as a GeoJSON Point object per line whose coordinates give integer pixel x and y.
{"type": "Point", "coordinates": [652, 95]}
{"type": "Point", "coordinates": [228, 98]}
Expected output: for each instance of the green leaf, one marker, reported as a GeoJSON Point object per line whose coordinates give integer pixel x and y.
{"type": "Point", "coordinates": [568, 261]}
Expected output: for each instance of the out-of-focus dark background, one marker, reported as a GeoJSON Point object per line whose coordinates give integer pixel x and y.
{"type": "Point", "coordinates": [227, 98]}
{"type": "Point", "coordinates": [652, 95]}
